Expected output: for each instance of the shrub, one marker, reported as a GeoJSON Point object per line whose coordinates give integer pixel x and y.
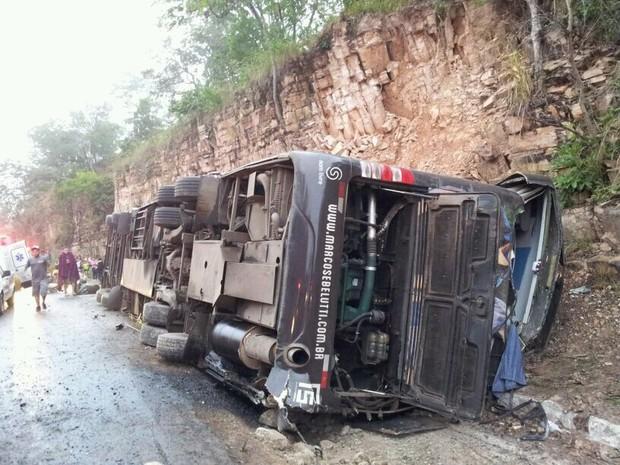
{"type": "Point", "coordinates": [599, 18]}
{"type": "Point", "coordinates": [515, 73]}
{"type": "Point", "coordinates": [577, 169]}
{"type": "Point", "coordinates": [580, 161]}
{"type": "Point", "coordinates": [197, 100]}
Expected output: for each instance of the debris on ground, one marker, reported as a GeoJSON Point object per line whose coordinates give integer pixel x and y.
{"type": "Point", "coordinates": [582, 290]}
{"type": "Point", "coordinates": [269, 418]}
{"type": "Point", "coordinates": [303, 454]}
{"type": "Point", "coordinates": [276, 439]}
{"type": "Point", "coordinates": [580, 366]}
{"type": "Point", "coordinates": [229, 417]}
{"type": "Point", "coordinates": [405, 424]}
{"type": "Point", "coordinates": [119, 326]}
{"type": "Point", "coordinates": [89, 288]}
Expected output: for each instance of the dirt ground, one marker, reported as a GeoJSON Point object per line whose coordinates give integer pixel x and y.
{"type": "Point", "coordinates": [75, 390]}
{"type": "Point", "coordinates": [580, 367]}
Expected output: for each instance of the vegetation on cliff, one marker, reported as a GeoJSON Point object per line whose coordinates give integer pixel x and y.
{"type": "Point", "coordinates": [223, 46]}
{"type": "Point", "coordinates": [230, 44]}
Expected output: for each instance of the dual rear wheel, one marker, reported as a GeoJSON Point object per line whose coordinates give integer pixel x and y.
{"type": "Point", "coordinates": [157, 318]}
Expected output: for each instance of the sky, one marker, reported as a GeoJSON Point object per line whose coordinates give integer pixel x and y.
{"type": "Point", "coordinates": [61, 56]}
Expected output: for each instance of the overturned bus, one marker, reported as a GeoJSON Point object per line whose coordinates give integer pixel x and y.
{"type": "Point", "coordinates": [327, 284]}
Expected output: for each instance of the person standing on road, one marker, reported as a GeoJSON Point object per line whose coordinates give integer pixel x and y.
{"type": "Point", "coordinates": [98, 269]}
{"type": "Point", "coordinates": [38, 264]}
{"type": "Point", "coordinates": [68, 271]}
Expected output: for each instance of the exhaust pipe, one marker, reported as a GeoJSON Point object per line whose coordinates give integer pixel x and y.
{"type": "Point", "coordinates": [243, 343]}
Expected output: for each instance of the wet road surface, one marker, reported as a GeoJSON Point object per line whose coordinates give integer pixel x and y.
{"type": "Point", "coordinates": [73, 390]}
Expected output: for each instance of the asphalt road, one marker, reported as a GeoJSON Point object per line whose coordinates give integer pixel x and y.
{"type": "Point", "coordinates": [74, 390]}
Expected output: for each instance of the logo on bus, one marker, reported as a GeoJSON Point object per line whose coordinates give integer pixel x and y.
{"type": "Point", "coordinates": [333, 173]}
{"type": "Point", "coordinates": [307, 394]}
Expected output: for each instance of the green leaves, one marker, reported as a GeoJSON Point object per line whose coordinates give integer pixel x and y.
{"type": "Point", "coordinates": [81, 143]}
{"type": "Point", "coordinates": [93, 188]}
{"type": "Point", "coordinates": [61, 198]}
{"type": "Point", "coordinates": [230, 43]}
{"type": "Point", "coordinates": [199, 99]}
{"type": "Point", "coordinates": [86, 198]}
{"type": "Point", "coordinates": [599, 18]}
{"type": "Point", "coordinates": [579, 163]}
{"type": "Point", "coordinates": [144, 122]}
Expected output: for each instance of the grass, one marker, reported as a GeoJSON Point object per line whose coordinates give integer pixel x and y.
{"type": "Point", "coordinates": [515, 72]}
{"type": "Point", "coordinates": [578, 246]}
{"type": "Point", "coordinates": [360, 7]}
{"type": "Point", "coordinates": [603, 276]}
{"type": "Point", "coordinates": [144, 150]}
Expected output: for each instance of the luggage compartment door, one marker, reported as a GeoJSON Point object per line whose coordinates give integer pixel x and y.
{"type": "Point", "coordinates": [449, 327]}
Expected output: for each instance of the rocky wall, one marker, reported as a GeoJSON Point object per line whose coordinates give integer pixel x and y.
{"type": "Point", "coordinates": [408, 88]}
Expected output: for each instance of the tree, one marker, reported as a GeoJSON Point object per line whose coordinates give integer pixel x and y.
{"type": "Point", "coordinates": [590, 125]}
{"type": "Point", "coordinates": [230, 42]}
{"type": "Point", "coordinates": [86, 198]}
{"type": "Point", "coordinates": [12, 181]}
{"type": "Point", "coordinates": [145, 120]}
{"type": "Point", "coordinates": [82, 143]}
{"type": "Point", "coordinates": [61, 198]}
{"type": "Point", "coordinates": [266, 27]}
{"type": "Point", "coordinates": [535, 37]}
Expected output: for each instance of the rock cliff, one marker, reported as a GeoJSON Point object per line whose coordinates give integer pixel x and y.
{"type": "Point", "coordinates": [409, 88]}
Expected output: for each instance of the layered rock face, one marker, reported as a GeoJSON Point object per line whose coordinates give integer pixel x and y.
{"type": "Point", "coordinates": [410, 89]}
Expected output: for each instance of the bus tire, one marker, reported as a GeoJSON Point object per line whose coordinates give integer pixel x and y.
{"type": "Point", "coordinates": [187, 188]}
{"type": "Point", "coordinates": [149, 334]}
{"type": "Point", "coordinates": [171, 346]}
{"type": "Point", "coordinates": [167, 217]}
{"type": "Point", "coordinates": [165, 197]}
{"type": "Point", "coordinates": [114, 299]}
{"type": "Point", "coordinates": [156, 314]}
